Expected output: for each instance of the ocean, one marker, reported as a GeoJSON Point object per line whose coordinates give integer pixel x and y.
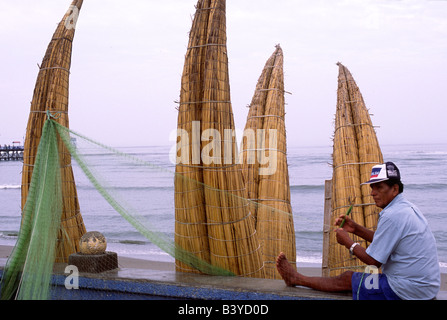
{"type": "Point", "coordinates": [145, 187]}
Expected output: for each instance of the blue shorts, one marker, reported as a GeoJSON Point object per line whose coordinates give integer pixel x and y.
{"type": "Point", "coordinates": [366, 286]}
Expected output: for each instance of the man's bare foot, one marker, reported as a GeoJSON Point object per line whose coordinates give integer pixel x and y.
{"type": "Point", "coordinates": [290, 276]}
{"type": "Point", "coordinates": [293, 278]}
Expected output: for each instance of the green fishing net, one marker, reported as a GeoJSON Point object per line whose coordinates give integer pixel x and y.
{"type": "Point", "coordinates": [142, 223]}
{"type": "Point", "coordinates": [29, 269]}
{"type": "Point", "coordinates": [28, 272]}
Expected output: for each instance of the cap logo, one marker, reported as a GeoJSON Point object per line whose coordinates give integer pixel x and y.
{"type": "Point", "coordinates": [392, 173]}
{"type": "Point", "coordinates": [375, 172]}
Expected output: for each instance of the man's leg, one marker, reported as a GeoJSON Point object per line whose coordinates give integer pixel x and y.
{"type": "Point", "coordinates": [328, 284]}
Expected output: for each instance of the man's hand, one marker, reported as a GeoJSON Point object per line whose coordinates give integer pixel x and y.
{"type": "Point", "coordinates": [343, 237]}
{"type": "Point", "coordinates": [348, 226]}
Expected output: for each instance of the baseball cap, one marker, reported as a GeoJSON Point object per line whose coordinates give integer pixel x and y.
{"type": "Point", "coordinates": [382, 172]}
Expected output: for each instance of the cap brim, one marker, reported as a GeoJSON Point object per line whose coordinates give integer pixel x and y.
{"type": "Point", "coordinates": [374, 181]}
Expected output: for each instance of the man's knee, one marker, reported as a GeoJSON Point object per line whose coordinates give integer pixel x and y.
{"type": "Point", "coordinates": [347, 274]}
{"type": "Point", "coordinates": [346, 277]}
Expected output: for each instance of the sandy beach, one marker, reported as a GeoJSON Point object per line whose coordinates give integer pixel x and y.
{"type": "Point", "coordinates": [133, 263]}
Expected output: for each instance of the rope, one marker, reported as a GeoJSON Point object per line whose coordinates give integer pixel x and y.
{"type": "Point", "coordinates": [264, 149]}
{"type": "Point", "coordinates": [354, 163]}
{"type": "Point", "coordinates": [354, 205]}
{"type": "Point", "coordinates": [205, 101]}
{"type": "Point", "coordinates": [354, 125]}
{"type": "Point", "coordinates": [52, 68]}
{"type": "Point", "coordinates": [274, 89]}
{"type": "Point", "coordinates": [46, 111]}
{"type": "Point", "coordinates": [207, 45]}
{"type": "Point", "coordinates": [266, 116]}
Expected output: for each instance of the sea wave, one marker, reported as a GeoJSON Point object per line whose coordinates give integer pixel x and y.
{"type": "Point", "coordinates": [10, 186]}
{"type": "Point", "coordinates": [307, 187]}
{"type": "Point", "coordinates": [8, 235]}
{"type": "Point", "coordinates": [128, 188]}
{"type": "Point", "coordinates": [427, 186]}
{"type": "Point", "coordinates": [309, 259]}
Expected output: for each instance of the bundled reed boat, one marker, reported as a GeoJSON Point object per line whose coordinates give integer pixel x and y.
{"type": "Point", "coordinates": [212, 217]}
{"type": "Point", "coordinates": [355, 151]}
{"type": "Point", "coordinates": [51, 94]}
{"type": "Point", "coordinates": [265, 169]}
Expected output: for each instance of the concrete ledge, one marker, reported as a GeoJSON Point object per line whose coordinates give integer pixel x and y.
{"type": "Point", "coordinates": [138, 284]}
{"type": "Point", "coordinates": [150, 284]}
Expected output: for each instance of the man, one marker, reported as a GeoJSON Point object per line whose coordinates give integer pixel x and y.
{"type": "Point", "coordinates": [403, 246]}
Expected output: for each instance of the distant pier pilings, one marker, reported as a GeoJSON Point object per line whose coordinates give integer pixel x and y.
{"type": "Point", "coordinates": [11, 153]}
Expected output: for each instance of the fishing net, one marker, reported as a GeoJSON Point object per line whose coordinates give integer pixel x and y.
{"type": "Point", "coordinates": [29, 269]}
{"type": "Point", "coordinates": [30, 266]}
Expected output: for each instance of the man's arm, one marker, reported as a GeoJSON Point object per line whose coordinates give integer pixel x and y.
{"type": "Point", "coordinates": [364, 233]}
{"type": "Point", "coordinates": [360, 252]}
{"type": "Point", "coordinates": [352, 227]}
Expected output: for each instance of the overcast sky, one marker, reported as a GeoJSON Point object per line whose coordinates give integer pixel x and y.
{"type": "Point", "coordinates": [128, 59]}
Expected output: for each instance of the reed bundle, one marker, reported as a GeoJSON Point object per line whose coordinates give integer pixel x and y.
{"type": "Point", "coordinates": [212, 217]}
{"type": "Point", "coordinates": [255, 123]}
{"type": "Point", "coordinates": [265, 146]}
{"type": "Point", "coordinates": [51, 94]}
{"type": "Point", "coordinates": [370, 153]}
{"type": "Point", "coordinates": [190, 227]}
{"type": "Point", "coordinates": [355, 151]}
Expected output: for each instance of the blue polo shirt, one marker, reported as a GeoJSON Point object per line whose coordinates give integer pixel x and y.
{"type": "Point", "coordinates": [405, 246]}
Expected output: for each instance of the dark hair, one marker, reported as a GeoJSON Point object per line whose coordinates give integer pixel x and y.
{"type": "Point", "coordinates": [392, 182]}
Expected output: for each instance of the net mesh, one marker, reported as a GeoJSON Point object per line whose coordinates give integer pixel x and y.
{"type": "Point", "coordinates": [28, 271]}
{"type": "Point", "coordinates": [139, 221]}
